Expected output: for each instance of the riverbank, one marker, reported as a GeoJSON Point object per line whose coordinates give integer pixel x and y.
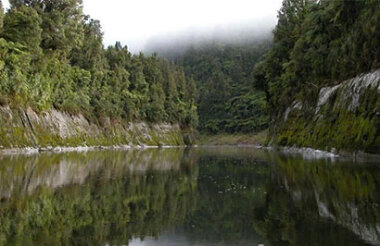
{"type": "Point", "coordinates": [313, 154]}
{"type": "Point", "coordinates": [252, 139]}
{"type": "Point", "coordinates": [28, 130]}
{"type": "Point", "coordinates": [61, 149]}
{"type": "Point", "coordinates": [259, 141]}
{"type": "Point", "coordinates": [305, 153]}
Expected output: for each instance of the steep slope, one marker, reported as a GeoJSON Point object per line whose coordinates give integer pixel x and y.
{"type": "Point", "coordinates": [346, 117]}
{"type": "Point", "coordinates": [25, 128]}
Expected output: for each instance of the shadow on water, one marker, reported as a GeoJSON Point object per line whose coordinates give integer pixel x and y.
{"type": "Point", "coordinates": [205, 196]}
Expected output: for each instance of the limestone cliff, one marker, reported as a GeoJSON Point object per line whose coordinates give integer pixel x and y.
{"type": "Point", "coordinates": [345, 117]}
{"type": "Point", "coordinates": [26, 128]}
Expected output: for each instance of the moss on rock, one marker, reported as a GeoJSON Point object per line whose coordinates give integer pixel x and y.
{"type": "Point", "coordinates": [349, 119]}
{"type": "Point", "coordinates": [25, 128]}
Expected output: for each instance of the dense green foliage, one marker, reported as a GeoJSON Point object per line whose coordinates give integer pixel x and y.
{"type": "Point", "coordinates": [51, 55]}
{"type": "Point", "coordinates": [317, 43]}
{"type": "Point", "coordinates": [227, 101]}
{"type": "Point", "coordinates": [1, 16]}
{"type": "Point", "coordinates": [320, 44]}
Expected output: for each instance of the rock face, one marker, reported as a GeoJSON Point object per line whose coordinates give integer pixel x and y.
{"type": "Point", "coordinates": [345, 116]}
{"type": "Point", "coordinates": [25, 128]}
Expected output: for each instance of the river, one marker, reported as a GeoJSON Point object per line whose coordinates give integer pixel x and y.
{"type": "Point", "coordinates": [199, 196]}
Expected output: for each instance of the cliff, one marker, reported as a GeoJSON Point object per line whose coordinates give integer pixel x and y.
{"type": "Point", "coordinates": [345, 117]}
{"type": "Point", "coordinates": [25, 128]}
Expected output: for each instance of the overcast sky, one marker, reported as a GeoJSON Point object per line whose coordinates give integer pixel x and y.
{"type": "Point", "coordinates": [134, 21]}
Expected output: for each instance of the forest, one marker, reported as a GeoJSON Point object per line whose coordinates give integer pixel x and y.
{"type": "Point", "coordinates": [317, 44]}
{"type": "Point", "coordinates": [226, 99]}
{"type": "Point", "coordinates": [52, 56]}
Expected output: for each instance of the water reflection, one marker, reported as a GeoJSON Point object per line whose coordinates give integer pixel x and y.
{"type": "Point", "coordinates": [103, 197]}
{"type": "Point", "coordinates": [339, 201]}
{"type": "Point", "coordinates": [208, 196]}
{"type": "Point", "coordinates": [23, 174]}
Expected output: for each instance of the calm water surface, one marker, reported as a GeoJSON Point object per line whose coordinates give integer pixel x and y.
{"type": "Point", "coordinates": [205, 196]}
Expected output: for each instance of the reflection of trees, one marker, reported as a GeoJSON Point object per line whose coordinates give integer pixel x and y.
{"type": "Point", "coordinates": [232, 197]}
{"type": "Point", "coordinates": [120, 196]}
{"type": "Point", "coordinates": [317, 203]}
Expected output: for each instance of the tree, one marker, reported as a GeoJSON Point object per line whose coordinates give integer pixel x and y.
{"type": "Point", "coordinates": [53, 56]}
{"type": "Point", "coordinates": [90, 55]}
{"type": "Point", "coordinates": [61, 23]}
{"type": "Point", "coordinates": [22, 25]}
{"type": "Point", "coordinates": [223, 77]}
{"type": "Point", "coordinates": [1, 16]}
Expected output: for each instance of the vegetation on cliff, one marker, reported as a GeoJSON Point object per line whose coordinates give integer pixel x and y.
{"type": "Point", "coordinates": [318, 44]}
{"type": "Point", "coordinates": [52, 56]}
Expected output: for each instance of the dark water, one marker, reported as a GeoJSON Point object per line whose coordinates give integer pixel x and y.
{"type": "Point", "coordinates": [207, 196]}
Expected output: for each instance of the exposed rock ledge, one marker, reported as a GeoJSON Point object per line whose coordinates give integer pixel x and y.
{"type": "Point", "coordinates": [345, 117]}
{"type": "Point", "coordinates": [20, 129]}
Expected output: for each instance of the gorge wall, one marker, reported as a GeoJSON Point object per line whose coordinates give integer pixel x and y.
{"type": "Point", "coordinates": [21, 128]}
{"type": "Point", "coordinates": [346, 117]}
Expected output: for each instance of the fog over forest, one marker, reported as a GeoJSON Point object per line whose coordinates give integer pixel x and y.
{"type": "Point", "coordinates": [174, 26]}
{"type": "Point", "coordinates": [238, 33]}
